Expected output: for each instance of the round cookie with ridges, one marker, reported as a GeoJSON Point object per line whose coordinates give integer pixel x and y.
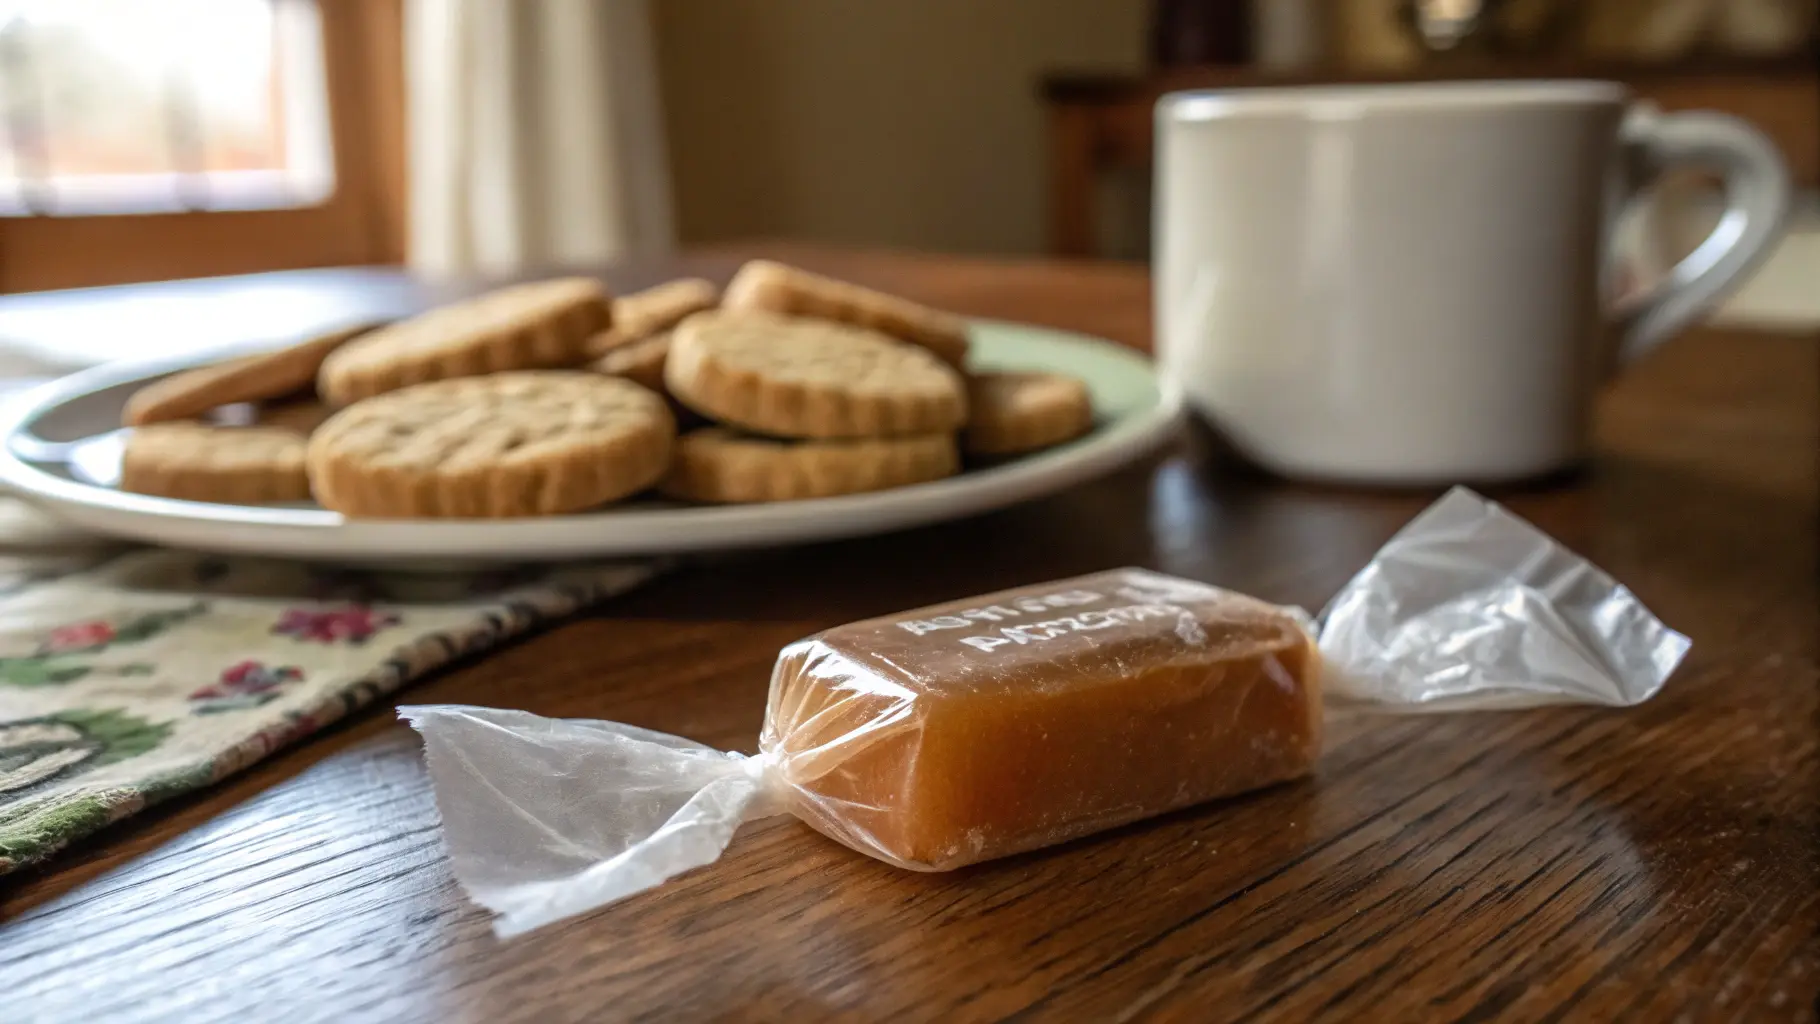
{"type": "Point", "coordinates": [509, 444]}
{"type": "Point", "coordinates": [541, 325]}
{"type": "Point", "coordinates": [642, 314]}
{"type": "Point", "coordinates": [302, 415]}
{"type": "Point", "coordinates": [253, 378]}
{"type": "Point", "coordinates": [803, 378]}
{"type": "Point", "coordinates": [776, 288]}
{"type": "Point", "coordinates": [1010, 412]}
{"type": "Point", "coordinates": [719, 465]}
{"type": "Point", "coordinates": [642, 361]}
{"type": "Point", "coordinates": [226, 465]}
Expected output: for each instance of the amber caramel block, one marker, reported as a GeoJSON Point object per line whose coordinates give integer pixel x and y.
{"type": "Point", "coordinates": [985, 727]}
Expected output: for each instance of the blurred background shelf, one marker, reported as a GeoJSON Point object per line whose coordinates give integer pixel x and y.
{"type": "Point", "coordinates": [1087, 87]}
{"type": "Point", "coordinates": [1100, 123]}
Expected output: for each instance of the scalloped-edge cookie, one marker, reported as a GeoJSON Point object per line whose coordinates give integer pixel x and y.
{"type": "Point", "coordinates": [807, 378]}
{"type": "Point", "coordinates": [540, 325]}
{"type": "Point", "coordinates": [719, 465]}
{"type": "Point", "coordinates": [642, 314]}
{"type": "Point", "coordinates": [254, 378]}
{"type": "Point", "coordinates": [226, 465]}
{"type": "Point", "coordinates": [509, 444]}
{"type": "Point", "coordinates": [777, 288]}
{"type": "Point", "coordinates": [1019, 411]}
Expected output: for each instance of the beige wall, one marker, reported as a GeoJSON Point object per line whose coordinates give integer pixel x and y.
{"type": "Point", "coordinates": [897, 122]}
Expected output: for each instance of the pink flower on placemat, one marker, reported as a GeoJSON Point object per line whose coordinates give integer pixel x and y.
{"type": "Point", "coordinates": [77, 636]}
{"type": "Point", "coordinates": [353, 624]}
{"type": "Point", "coordinates": [246, 684]}
{"type": "Point", "coordinates": [93, 635]}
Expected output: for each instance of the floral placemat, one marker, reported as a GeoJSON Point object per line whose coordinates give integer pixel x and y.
{"type": "Point", "coordinates": [127, 678]}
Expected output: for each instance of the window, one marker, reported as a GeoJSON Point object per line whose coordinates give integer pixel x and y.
{"type": "Point", "coordinates": [175, 105]}
{"type": "Point", "coordinates": [143, 140]}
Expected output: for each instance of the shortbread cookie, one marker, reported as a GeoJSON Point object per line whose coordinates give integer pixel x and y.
{"type": "Point", "coordinates": [715, 464]}
{"type": "Point", "coordinates": [1011, 412]}
{"type": "Point", "coordinates": [253, 378]}
{"type": "Point", "coordinates": [642, 314]}
{"type": "Point", "coordinates": [793, 377]}
{"type": "Point", "coordinates": [302, 415]}
{"type": "Point", "coordinates": [641, 361]}
{"type": "Point", "coordinates": [509, 444]}
{"type": "Point", "coordinates": [228, 465]}
{"type": "Point", "coordinates": [762, 284]}
{"type": "Point", "coordinates": [529, 326]}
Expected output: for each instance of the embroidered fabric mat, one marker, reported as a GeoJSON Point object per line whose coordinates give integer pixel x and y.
{"type": "Point", "coordinates": [129, 676]}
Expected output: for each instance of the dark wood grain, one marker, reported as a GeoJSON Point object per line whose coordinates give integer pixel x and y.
{"type": "Point", "coordinates": [1661, 863]}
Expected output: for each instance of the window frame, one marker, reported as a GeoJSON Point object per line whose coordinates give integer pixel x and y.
{"type": "Point", "coordinates": [361, 222]}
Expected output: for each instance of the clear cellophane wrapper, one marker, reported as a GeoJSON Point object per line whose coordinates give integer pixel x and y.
{"type": "Point", "coordinates": [1013, 721]}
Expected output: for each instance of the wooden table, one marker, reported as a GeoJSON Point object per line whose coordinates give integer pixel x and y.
{"type": "Point", "coordinates": [1652, 864]}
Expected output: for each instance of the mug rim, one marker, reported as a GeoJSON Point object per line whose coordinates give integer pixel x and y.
{"type": "Point", "coordinates": [1194, 105]}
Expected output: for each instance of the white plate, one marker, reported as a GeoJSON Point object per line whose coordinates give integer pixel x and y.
{"type": "Point", "coordinates": [1133, 415]}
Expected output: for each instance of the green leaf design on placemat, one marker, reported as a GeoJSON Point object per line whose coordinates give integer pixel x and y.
{"type": "Point", "coordinates": [36, 750]}
{"type": "Point", "coordinates": [29, 829]}
{"type": "Point", "coordinates": [52, 664]}
{"type": "Point", "coordinates": [40, 671]}
{"type": "Point", "coordinates": [32, 827]}
{"type": "Point", "coordinates": [121, 735]}
{"type": "Point", "coordinates": [151, 624]}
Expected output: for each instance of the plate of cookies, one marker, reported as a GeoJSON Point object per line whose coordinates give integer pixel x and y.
{"type": "Point", "coordinates": [548, 421]}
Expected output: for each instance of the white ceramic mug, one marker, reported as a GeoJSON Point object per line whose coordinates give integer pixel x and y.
{"type": "Point", "coordinates": [1407, 284]}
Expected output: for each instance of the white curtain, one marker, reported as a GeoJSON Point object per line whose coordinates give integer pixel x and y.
{"type": "Point", "coordinates": [536, 135]}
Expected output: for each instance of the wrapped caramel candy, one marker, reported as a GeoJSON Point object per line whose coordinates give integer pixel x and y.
{"type": "Point", "coordinates": [1021, 719]}
{"type": "Point", "coordinates": [1017, 720]}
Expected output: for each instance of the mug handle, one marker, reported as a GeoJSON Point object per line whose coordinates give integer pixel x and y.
{"type": "Point", "coordinates": [1757, 197]}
